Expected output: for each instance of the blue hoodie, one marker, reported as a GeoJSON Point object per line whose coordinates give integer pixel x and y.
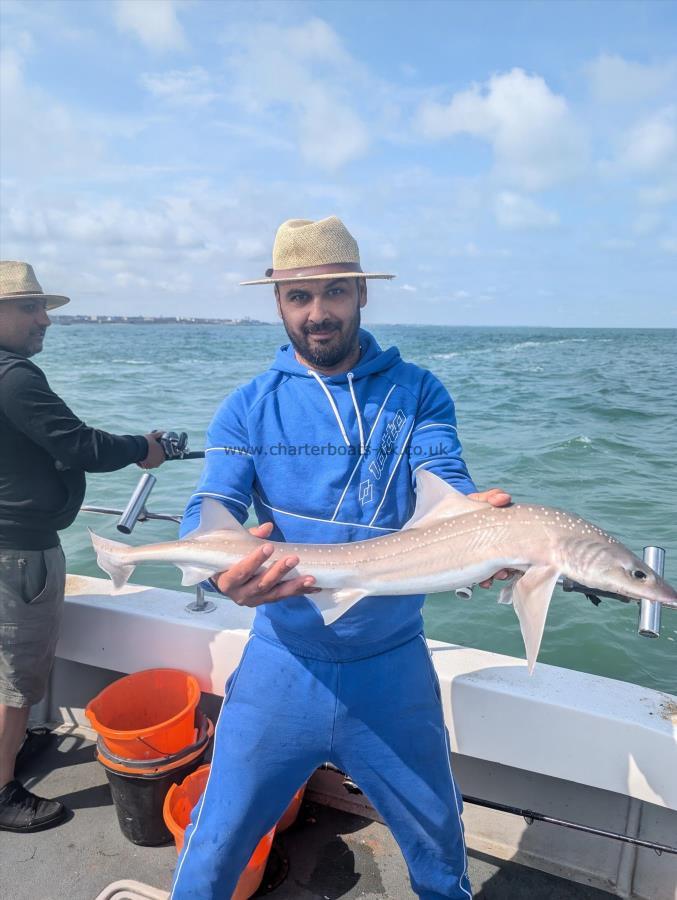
{"type": "Point", "coordinates": [328, 459]}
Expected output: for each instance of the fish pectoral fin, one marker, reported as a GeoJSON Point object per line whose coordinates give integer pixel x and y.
{"type": "Point", "coordinates": [505, 596]}
{"type": "Point", "coordinates": [214, 517]}
{"type": "Point", "coordinates": [194, 575]}
{"type": "Point", "coordinates": [531, 594]}
{"type": "Point", "coordinates": [332, 604]}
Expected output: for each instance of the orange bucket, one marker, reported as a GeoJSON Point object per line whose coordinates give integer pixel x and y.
{"type": "Point", "coordinates": [292, 811]}
{"type": "Point", "coordinates": [114, 763]}
{"type": "Point", "coordinates": [179, 803]}
{"type": "Point", "coordinates": [148, 714]}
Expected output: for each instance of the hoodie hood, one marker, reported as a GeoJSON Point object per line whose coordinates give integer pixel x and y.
{"type": "Point", "coordinates": [373, 360]}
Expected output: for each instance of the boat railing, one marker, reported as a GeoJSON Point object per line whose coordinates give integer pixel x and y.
{"type": "Point", "coordinates": [175, 447]}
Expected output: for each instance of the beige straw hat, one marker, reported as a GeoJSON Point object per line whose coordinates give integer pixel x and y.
{"type": "Point", "coordinates": [17, 279]}
{"type": "Point", "coordinates": [305, 250]}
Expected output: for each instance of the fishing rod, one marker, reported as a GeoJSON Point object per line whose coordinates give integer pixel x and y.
{"type": "Point", "coordinates": [530, 816]}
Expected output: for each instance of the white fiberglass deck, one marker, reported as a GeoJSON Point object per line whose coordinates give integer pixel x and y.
{"type": "Point", "coordinates": [582, 728]}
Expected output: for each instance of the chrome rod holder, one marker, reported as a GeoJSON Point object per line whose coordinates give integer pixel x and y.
{"type": "Point", "coordinates": [649, 624]}
{"type": "Point", "coordinates": [200, 604]}
{"type": "Point", "coordinates": [135, 510]}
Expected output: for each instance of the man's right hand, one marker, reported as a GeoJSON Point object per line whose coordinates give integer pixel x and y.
{"type": "Point", "coordinates": [156, 455]}
{"type": "Point", "coordinates": [247, 583]}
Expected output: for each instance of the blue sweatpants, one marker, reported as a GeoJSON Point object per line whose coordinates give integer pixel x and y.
{"type": "Point", "coordinates": [378, 719]}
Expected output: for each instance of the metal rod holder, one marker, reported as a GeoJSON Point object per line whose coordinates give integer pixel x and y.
{"type": "Point", "coordinates": [649, 624]}
{"type": "Point", "coordinates": [136, 507]}
{"type": "Point", "coordinates": [200, 604]}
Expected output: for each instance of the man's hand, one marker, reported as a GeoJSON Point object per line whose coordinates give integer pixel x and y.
{"type": "Point", "coordinates": [248, 584]}
{"type": "Point", "coordinates": [495, 497]}
{"type": "Point", "coordinates": [156, 455]}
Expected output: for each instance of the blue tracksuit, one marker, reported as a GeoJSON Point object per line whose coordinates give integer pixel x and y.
{"type": "Point", "coordinates": [330, 459]}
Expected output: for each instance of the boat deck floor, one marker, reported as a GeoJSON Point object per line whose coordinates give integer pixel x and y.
{"type": "Point", "coordinates": [331, 854]}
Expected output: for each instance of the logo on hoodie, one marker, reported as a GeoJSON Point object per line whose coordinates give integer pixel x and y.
{"type": "Point", "coordinates": [365, 491]}
{"type": "Point", "coordinates": [392, 429]}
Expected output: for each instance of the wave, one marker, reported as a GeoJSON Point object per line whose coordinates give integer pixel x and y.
{"type": "Point", "coordinates": [520, 345]}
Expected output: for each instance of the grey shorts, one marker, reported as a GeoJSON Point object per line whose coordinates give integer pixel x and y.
{"type": "Point", "coordinates": [32, 586]}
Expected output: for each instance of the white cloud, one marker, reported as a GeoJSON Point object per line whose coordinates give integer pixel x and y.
{"type": "Point", "coordinates": [651, 144]}
{"type": "Point", "coordinates": [250, 248]}
{"type": "Point", "coordinates": [409, 287]}
{"type": "Point", "coordinates": [514, 212]}
{"type": "Point", "coordinates": [305, 71]}
{"type": "Point", "coordinates": [189, 87]}
{"type": "Point", "coordinates": [669, 244]}
{"type": "Point", "coordinates": [38, 134]}
{"type": "Point", "coordinates": [535, 137]}
{"type": "Point", "coordinates": [649, 221]}
{"type": "Point", "coordinates": [154, 22]}
{"type": "Point", "coordinates": [658, 195]}
{"type": "Point", "coordinates": [614, 79]}
{"type": "Point", "coordinates": [387, 251]}
{"type": "Point", "coordinates": [468, 249]}
{"type": "Point", "coordinates": [165, 226]}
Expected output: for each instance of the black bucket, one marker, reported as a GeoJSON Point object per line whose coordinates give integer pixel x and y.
{"type": "Point", "coordinates": [139, 793]}
{"type": "Point", "coordinates": [139, 800]}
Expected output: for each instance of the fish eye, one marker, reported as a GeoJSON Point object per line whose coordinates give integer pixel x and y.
{"type": "Point", "coordinates": [638, 574]}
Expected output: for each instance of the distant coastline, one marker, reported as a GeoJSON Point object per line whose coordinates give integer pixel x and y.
{"type": "Point", "coordinates": [149, 320]}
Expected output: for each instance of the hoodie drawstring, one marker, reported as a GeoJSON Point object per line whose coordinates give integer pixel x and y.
{"type": "Point", "coordinates": [331, 401]}
{"type": "Point", "coordinates": [335, 408]}
{"type": "Point", "coordinates": [357, 412]}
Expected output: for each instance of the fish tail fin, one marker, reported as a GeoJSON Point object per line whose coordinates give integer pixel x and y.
{"type": "Point", "coordinates": [108, 558]}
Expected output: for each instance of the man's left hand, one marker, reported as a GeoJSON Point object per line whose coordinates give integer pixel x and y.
{"type": "Point", "coordinates": [495, 497]}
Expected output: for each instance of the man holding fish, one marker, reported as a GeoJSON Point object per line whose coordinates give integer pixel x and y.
{"type": "Point", "coordinates": [332, 445]}
{"type": "Point", "coordinates": [360, 692]}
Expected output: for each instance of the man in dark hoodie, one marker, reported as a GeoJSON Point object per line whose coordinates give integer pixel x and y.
{"type": "Point", "coordinates": [326, 444]}
{"type": "Point", "coordinates": [45, 450]}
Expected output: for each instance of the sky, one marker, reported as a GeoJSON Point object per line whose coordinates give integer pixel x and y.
{"type": "Point", "coordinates": [513, 163]}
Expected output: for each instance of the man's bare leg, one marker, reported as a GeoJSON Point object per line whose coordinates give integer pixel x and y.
{"type": "Point", "coordinates": [13, 721]}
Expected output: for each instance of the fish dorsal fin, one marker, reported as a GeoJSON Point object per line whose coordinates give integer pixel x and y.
{"type": "Point", "coordinates": [435, 498]}
{"type": "Point", "coordinates": [214, 517]}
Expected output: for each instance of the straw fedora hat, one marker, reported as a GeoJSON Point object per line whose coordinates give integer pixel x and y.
{"type": "Point", "coordinates": [305, 250]}
{"type": "Point", "coordinates": [17, 279]}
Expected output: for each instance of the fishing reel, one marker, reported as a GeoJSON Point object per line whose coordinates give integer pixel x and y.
{"type": "Point", "coordinates": [175, 446]}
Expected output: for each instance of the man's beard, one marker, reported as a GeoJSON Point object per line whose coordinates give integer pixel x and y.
{"type": "Point", "coordinates": [335, 351]}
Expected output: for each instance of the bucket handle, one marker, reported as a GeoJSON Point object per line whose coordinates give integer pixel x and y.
{"type": "Point", "coordinates": [203, 738]}
{"type": "Point", "coordinates": [150, 746]}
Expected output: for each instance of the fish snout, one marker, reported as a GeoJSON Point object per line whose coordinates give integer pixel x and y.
{"type": "Point", "coordinates": [665, 593]}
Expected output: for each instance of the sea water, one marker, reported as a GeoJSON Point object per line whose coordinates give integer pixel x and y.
{"type": "Point", "coordinates": [581, 419]}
